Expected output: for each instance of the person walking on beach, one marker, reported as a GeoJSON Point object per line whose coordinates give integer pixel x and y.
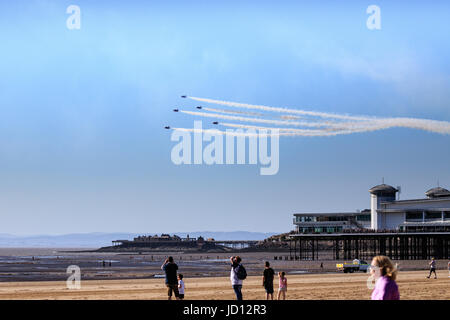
{"type": "Point", "coordinates": [432, 268]}
{"type": "Point", "coordinates": [181, 286]}
{"type": "Point", "coordinates": [170, 268]}
{"type": "Point", "coordinates": [448, 265]}
{"type": "Point", "coordinates": [237, 275]}
{"type": "Point", "coordinates": [268, 275]}
{"type": "Point", "coordinates": [282, 285]}
{"type": "Point", "coordinates": [385, 274]}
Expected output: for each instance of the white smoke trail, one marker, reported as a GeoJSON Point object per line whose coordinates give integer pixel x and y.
{"type": "Point", "coordinates": [436, 126]}
{"type": "Point", "coordinates": [364, 124]}
{"type": "Point", "coordinates": [245, 126]}
{"type": "Point", "coordinates": [290, 117]}
{"type": "Point", "coordinates": [319, 133]}
{"type": "Point", "coordinates": [282, 110]}
{"type": "Point", "coordinates": [302, 132]}
{"type": "Point", "coordinates": [366, 128]}
{"type": "Point", "coordinates": [256, 114]}
{"type": "Point", "coordinates": [276, 122]}
{"type": "Point", "coordinates": [232, 112]}
{"type": "Point", "coordinates": [225, 133]}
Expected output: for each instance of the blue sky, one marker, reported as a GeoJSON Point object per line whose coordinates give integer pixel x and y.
{"type": "Point", "coordinates": [82, 147]}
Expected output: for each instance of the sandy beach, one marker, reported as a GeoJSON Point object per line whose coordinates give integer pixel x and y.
{"type": "Point", "coordinates": [41, 274]}
{"type": "Point", "coordinates": [412, 285]}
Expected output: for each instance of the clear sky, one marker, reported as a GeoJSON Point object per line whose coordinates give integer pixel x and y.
{"type": "Point", "coordinates": [82, 144]}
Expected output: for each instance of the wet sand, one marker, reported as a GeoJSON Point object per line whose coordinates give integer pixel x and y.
{"type": "Point", "coordinates": [412, 285]}
{"type": "Point", "coordinates": [23, 265]}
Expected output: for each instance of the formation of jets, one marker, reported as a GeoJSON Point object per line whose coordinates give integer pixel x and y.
{"type": "Point", "coordinates": [177, 110]}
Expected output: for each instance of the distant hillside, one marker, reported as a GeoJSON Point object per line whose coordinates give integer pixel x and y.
{"type": "Point", "coordinates": [97, 240]}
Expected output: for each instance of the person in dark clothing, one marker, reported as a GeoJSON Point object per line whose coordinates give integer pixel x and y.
{"type": "Point", "coordinates": [268, 275]}
{"type": "Point", "coordinates": [432, 268]}
{"type": "Point", "coordinates": [170, 268]}
{"type": "Point", "coordinates": [235, 281]}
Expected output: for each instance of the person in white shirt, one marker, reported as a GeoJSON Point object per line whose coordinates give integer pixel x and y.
{"type": "Point", "coordinates": [235, 281]}
{"type": "Point", "coordinates": [432, 268]}
{"type": "Point", "coordinates": [181, 286]}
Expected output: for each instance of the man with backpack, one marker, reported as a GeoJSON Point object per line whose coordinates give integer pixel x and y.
{"type": "Point", "coordinates": [237, 275]}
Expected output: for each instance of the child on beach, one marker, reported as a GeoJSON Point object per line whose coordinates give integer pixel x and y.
{"type": "Point", "coordinates": [385, 273]}
{"type": "Point", "coordinates": [282, 285]}
{"type": "Point", "coordinates": [180, 286]}
{"type": "Point", "coordinates": [268, 280]}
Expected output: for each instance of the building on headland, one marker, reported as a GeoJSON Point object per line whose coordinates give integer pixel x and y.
{"type": "Point", "coordinates": [163, 239]}
{"type": "Point", "coordinates": [174, 241]}
{"type": "Point", "coordinates": [430, 214]}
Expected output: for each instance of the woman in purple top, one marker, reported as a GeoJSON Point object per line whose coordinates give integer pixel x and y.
{"type": "Point", "coordinates": [385, 273]}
